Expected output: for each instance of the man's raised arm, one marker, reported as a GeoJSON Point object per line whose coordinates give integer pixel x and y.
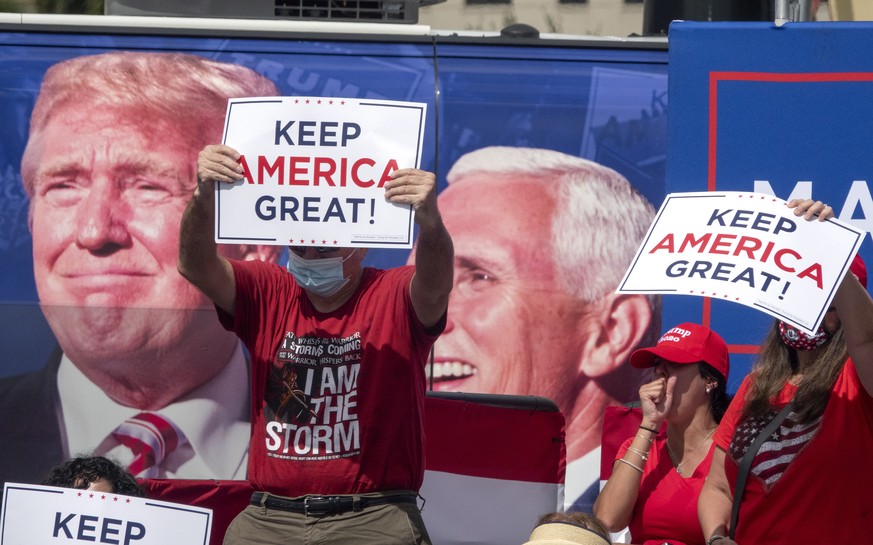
{"type": "Point", "coordinates": [199, 260]}
{"type": "Point", "coordinates": [434, 253]}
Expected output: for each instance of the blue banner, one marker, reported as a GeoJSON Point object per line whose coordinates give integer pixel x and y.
{"type": "Point", "coordinates": [779, 110]}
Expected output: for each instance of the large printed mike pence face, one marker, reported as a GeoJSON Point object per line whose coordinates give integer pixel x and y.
{"type": "Point", "coordinates": [108, 198]}
{"type": "Point", "coordinates": [510, 329]}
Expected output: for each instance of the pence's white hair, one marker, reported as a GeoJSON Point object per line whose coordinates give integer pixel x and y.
{"type": "Point", "coordinates": [600, 219]}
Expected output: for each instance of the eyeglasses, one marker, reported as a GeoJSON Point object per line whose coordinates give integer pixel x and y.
{"type": "Point", "coordinates": [321, 250]}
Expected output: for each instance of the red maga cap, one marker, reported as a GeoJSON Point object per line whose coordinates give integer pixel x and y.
{"type": "Point", "coordinates": [686, 343]}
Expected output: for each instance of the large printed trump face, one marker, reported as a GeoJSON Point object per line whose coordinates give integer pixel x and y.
{"type": "Point", "coordinates": [108, 192]}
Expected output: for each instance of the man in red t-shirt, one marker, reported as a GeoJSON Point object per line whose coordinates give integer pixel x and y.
{"type": "Point", "coordinates": [337, 370]}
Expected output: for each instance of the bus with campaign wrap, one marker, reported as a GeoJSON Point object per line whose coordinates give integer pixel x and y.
{"type": "Point", "coordinates": [82, 190]}
{"type": "Point", "coordinates": [601, 99]}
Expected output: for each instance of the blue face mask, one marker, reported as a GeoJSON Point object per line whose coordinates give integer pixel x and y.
{"type": "Point", "coordinates": [322, 277]}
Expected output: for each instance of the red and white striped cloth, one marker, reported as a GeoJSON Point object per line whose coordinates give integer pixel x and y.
{"type": "Point", "coordinates": [491, 471]}
{"type": "Point", "coordinates": [151, 438]}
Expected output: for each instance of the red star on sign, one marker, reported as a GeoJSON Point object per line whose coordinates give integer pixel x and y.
{"type": "Point", "coordinates": [334, 242]}
{"type": "Point", "coordinates": [312, 241]}
{"type": "Point", "coordinates": [307, 101]}
{"type": "Point", "coordinates": [324, 242]}
{"type": "Point", "coordinates": [302, 241]}
{"type": "Point", "coordinates": [330, 102]}
{"type": "Point", "coordinates": [319, 102]}
{"type": "Point", "coordinates": [342, 103]}
{"type": "Point", "coordinates": [127, 500]}
{"type": "Point", "coordinates": [296, 101]}
{"type": "Point", "coordinates": [103, 497]}
{"type": "Point", "coordinates": [115, 498]}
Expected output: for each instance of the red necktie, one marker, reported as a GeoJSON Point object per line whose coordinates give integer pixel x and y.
{"type": "Point", "coordinates": [151, 438]}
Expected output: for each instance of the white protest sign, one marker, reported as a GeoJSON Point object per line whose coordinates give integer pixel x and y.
{"type": "Point", "coordinates": [747, 248]}
{"type": "Point", "coordinates": [38, 515]}
{"type": "Point", "coordinates": [315, 170]}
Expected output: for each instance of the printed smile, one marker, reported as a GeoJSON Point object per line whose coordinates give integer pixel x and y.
{"type": "Point", "coordinates": [104, 280]}
{"type": "Point", "coordinates": [449, 370]}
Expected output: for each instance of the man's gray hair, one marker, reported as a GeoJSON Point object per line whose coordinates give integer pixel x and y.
{"type": "Point", "coordinates": [599, 222]}
{"type": "Point", "coordinates": [189, 91]}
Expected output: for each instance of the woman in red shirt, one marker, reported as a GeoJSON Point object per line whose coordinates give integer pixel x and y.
{"type": "Point", "coordinates": [810, 481]}
{"type": "Point", "coordinates": [657, 474]}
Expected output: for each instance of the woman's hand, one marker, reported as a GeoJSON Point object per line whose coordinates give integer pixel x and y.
{"type": "Point", "coordinates": [810, 209]}
{"type": "Point", "coordinates": [656, 400]}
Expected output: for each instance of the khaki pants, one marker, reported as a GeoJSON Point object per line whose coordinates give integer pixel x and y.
{"type": "Point", "coordinates": [388, 524]}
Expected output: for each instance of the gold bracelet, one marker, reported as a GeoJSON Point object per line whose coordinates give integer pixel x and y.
{"type": "Point", "coordinates": [638, 468]}
{"type": "Point", "coordinates": [639, 453]}
{"type": "Point", "coordinates": [649, 439]}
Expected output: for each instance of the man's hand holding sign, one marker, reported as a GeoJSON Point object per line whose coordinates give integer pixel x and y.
{"type": "Point", "coordinates": [748, 248]}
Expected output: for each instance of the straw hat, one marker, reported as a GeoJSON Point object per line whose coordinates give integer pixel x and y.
{"type": "Point", "coordinates": [564, 533]}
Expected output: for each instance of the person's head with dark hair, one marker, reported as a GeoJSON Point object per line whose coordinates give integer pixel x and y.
{"type": "Point", "coordinates": [94, 473]}
{"type": "Point", "coordinates": [682, 348]}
